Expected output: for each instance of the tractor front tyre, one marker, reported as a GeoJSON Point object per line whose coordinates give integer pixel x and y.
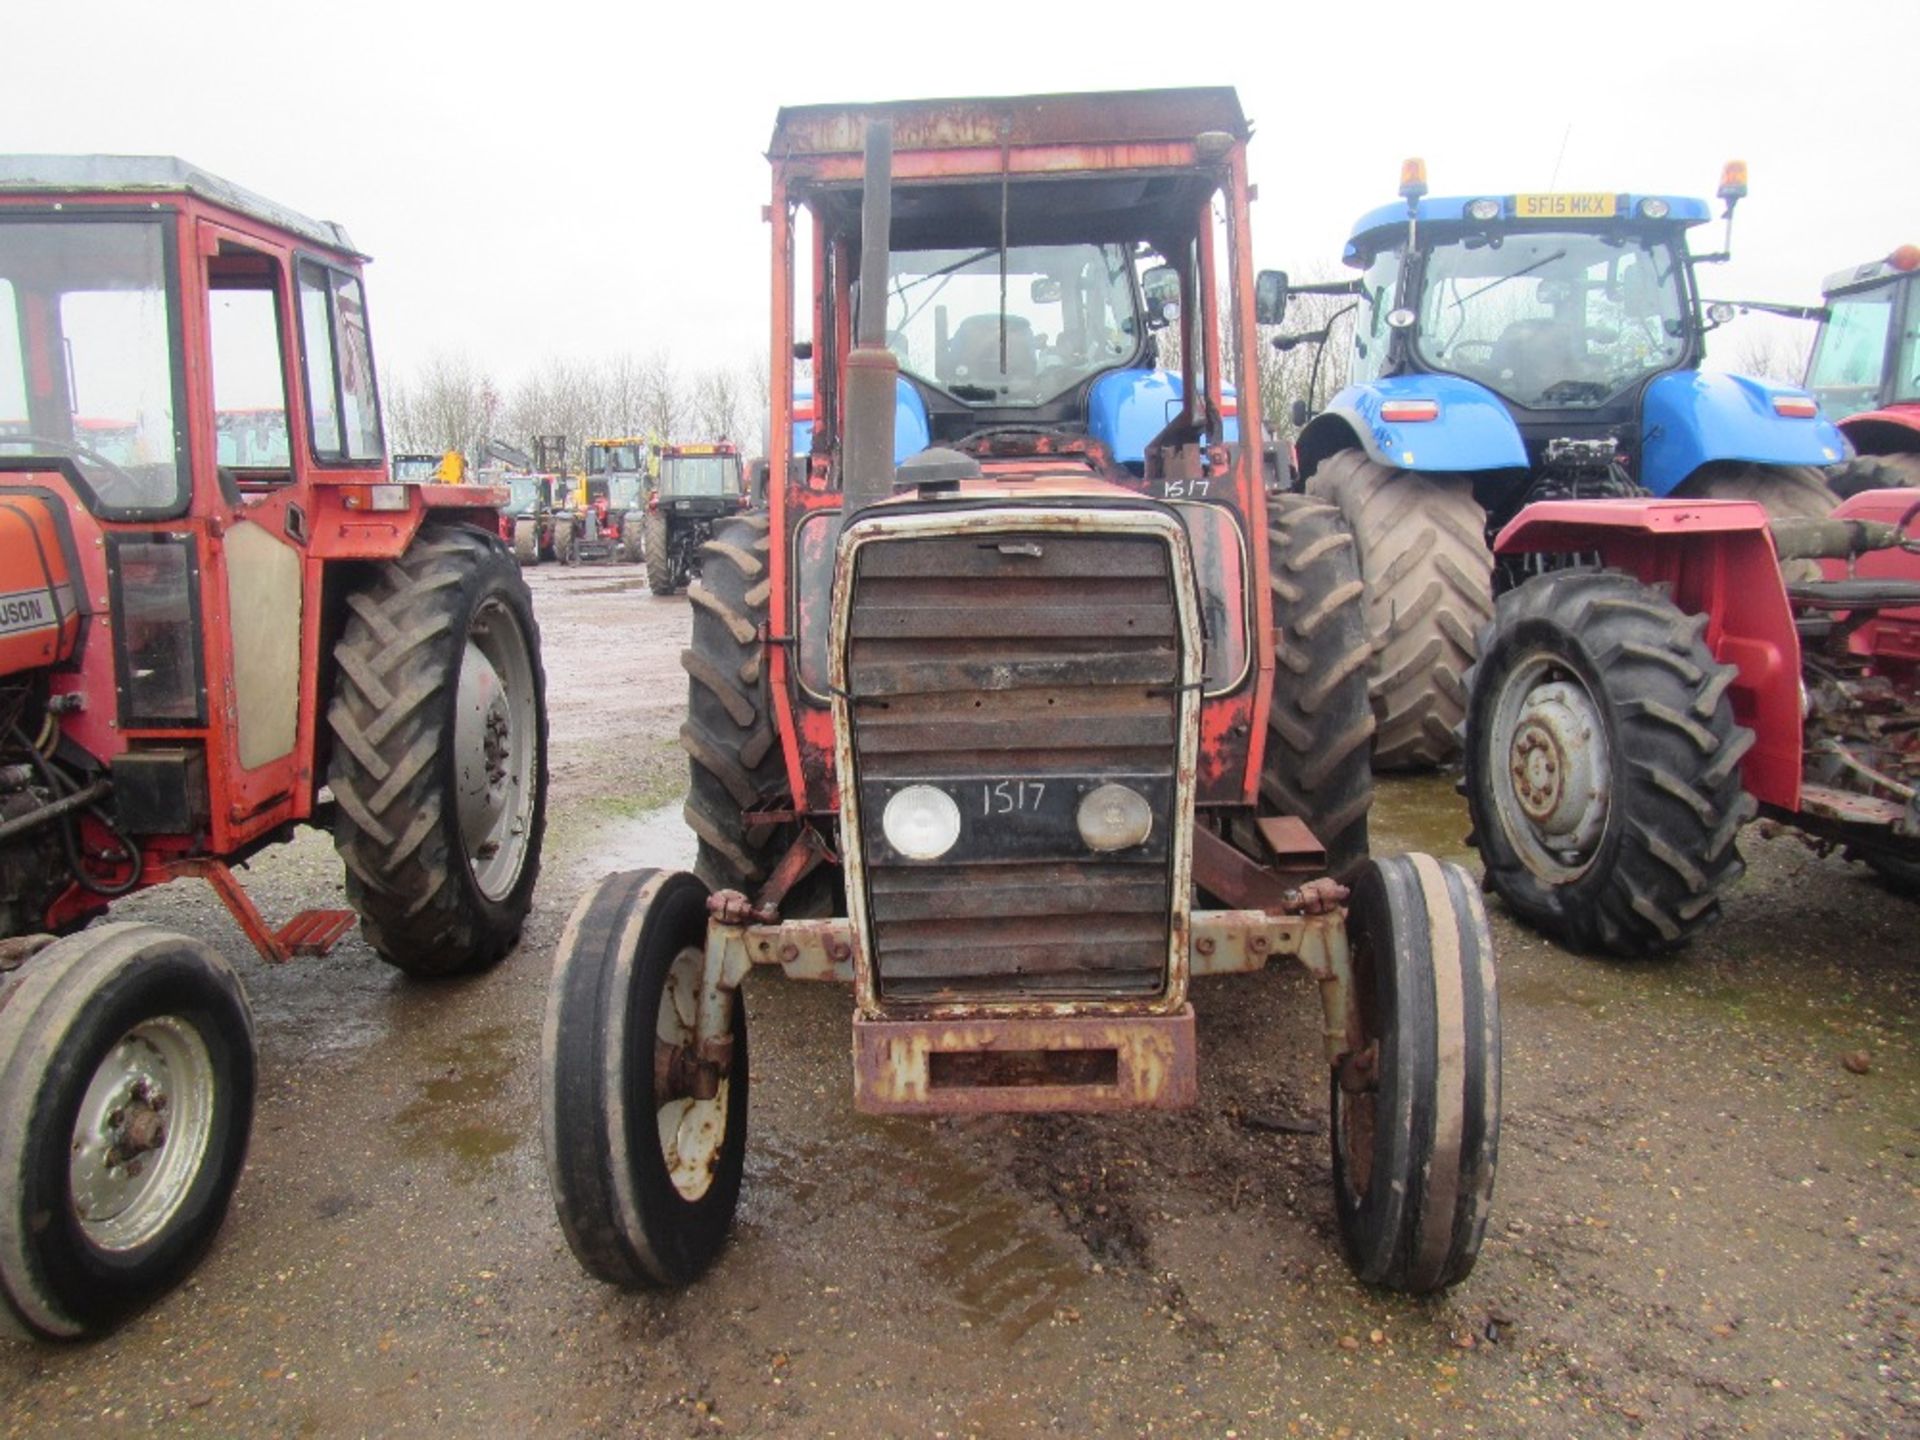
{"type": "Point", "coordinates": [1786, 492]}
{"type": "Point", "coordinates": [645, 1143]}
{"type": "Point", "coordinates": [1874, 472]}
{"type": "Point", "coordinates": [1416, 1112]}
{"type": "Point", "coordinates": [526, 541]}
{"type": "Point", "coordinates": [1429, 575]}
{"type": "Point", "coordinates": [126, 1102]}
{"type": "Point", "coordinates": [1317, 765]}
{"type": "Point", "coordinates": [1603, 764]}
{"type": "Point", "coordinates": [729, 735]}
{"type": "Point", "coordinates": [659, 560]}
{"type": "Point", "coordinates": [633, 537]}
{"type": "Point", "coordinates": [565, 546]}
{"type": "Point", "coordinates": [440, 754]}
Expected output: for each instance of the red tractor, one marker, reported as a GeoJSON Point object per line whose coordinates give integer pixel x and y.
{"type": "Point", "coordinates": [1023, 735]}
{"type": "Point", "coordinates": [1624, 722]}
{"type": "Point", "coordinates": [200, 650]}
{"type": "Point", "coordinates": [1865, 369]}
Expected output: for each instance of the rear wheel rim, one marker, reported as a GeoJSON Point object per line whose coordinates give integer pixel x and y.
{"type": "Point", "coordinates": [693, 1132]}
{"type": "Point", "coordinates": [1551, 768]}
{"type": "Point", "coordinates": [142, 1133]}
{"type": "Point", "coordinates": [496, 748]}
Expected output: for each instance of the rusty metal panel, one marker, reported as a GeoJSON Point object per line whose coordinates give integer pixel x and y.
{"type": "Point", "coordinates": [1083, 1063]}
{"type": "Point", "coordinates": [1013, 122]}
{"type": "Point", "coordinates": [1021, 916]}
{"type": "Point", "coordinates": [1293, 844]}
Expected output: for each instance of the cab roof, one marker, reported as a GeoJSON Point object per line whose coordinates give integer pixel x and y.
{"type": "Point", "coordinates": [159, 174]}
{"type": "Point", "coordinates": [1870, 273]}
{"type": "Point", "coordinates": [1388, 221]}
{"type": "Point", "coordinates": [1100, 117]}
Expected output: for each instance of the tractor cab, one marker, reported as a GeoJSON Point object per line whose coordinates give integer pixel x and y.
{"type": "Point", "coordinates": [617, 468]}
{"type": "Point", "coordinates": [699, 479]}
{"type": "Point", "coordinates": [1865, 369]}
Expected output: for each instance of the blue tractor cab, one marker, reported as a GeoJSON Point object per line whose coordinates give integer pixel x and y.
{"type": "Point", "coordinates": [1513, 348]}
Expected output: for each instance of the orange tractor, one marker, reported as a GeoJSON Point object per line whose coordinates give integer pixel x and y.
{"type": "Point", "coordinates": [201, 648]}
{"type": "Point", "coordinates": [1024, 735]}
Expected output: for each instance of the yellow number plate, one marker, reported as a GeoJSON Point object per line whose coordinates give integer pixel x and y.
{"type": "Point", "coordinates": [1564, 207]}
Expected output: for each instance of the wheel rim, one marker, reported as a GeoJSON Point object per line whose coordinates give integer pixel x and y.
{"type": "Point", "coordinates": [142, 1133]}
{"type": "Point", "coordinates": [693, 1131]}
{"type": "Point", "coordinates": [496, 740]}
{"type": "Point", "coordinates": [1550, 769]}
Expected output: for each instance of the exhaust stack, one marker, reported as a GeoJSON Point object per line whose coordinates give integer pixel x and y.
{"type": "Point", "coordinates": [872, 369]}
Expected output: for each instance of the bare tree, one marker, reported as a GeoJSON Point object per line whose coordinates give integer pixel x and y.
{"type": "Point", "coordinates": [759, 391]}
{"type": "Point", "coordinates": [559, 398]}
{"type": "Point", "coordinates": [450, 404]}
{"type": "Point", "coordinates": [663, 405]}
{"type": "Point", "coordinates": [716, 403]}
{"type": "Point", "coordinates": [1771, 351]}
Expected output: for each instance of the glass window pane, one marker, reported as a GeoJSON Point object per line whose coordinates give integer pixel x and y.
{"type": "Point", "coordinates": [86, 356]}
{"type": "Point", "coordinates": [360, 406]}
{"type": "Point", "coordinates": [249, 383]}
{"type": "Point", "coordinates": [316, 334]}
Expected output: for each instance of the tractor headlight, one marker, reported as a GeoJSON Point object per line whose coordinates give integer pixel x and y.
{"type": "Point", "coordinates": [921, 822]}
{"type": "Point", "coordinates": [1654, 209]}
{"type": "Point", "coordinates": [1483, 209]}
{"type": "Point", "coordinates": [1114, 818]}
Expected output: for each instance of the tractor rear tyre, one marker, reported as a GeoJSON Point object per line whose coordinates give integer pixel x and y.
{"type": "Point", "coordinates": [1416, 1114]}
{"type": "Point", "coordinates": [729, 735]}
{"type": "Point", "coordinates": [126, 1101]}
{"type": "Point", "coordinates": [1786, 492]}
{"type": "Point", "coordinates": [1429, 574]}
{"type": "Point", "coordinates": [659, 561]}
{"type": "Point", "coordinates": [526, 541]}
{"type": "Point", "coordinates": [1874, 472]}
{"type": "Point", "coordinates": [645, 1174]}
{"type": "Point", "coordinates": [1319, 726]}
{"type": "Point", "coordinates": [439, 759]}
{"type": "Point", "coordinates": [633, 537]}
{"type": "Point", "coordinates": [565, 548]}
{"type": "Point", "coordinates": [1603, 764]}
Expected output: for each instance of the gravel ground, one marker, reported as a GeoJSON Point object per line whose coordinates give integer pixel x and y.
{"type": "Point", "coordinates": [1705, 1221]}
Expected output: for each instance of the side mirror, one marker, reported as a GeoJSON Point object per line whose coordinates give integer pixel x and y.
{"type": "Point", "coordinates": [1270, 297]}
{"type": "Point", "coordinates": [1045, 290]}
{"type": "Point", "coordinates": [1161, 288]}
{"type": "Point", "coordinates": [1298, 414]}
{"type": "Point", "coordinates": [803, 350]}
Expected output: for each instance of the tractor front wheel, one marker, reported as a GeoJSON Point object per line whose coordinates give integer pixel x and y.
{"type": "Point", "coordinates": [1416, 1112]}
{"type": "Point", "coordinates": [565, 544]}
{"type": "Point", "coordinates": [526, 541]}
{"type": "Point", "coordinates": [633, 537]}
{"type": "Point", "coordinates": [659, 561]}
{"type": "Point", "coordinates": [1429, 575]}
{"type": "Point", "coordinates": [644, 1117]}
{"type": "Point", "coordinates": [440, 754]}
{"type": "Point", "coordinates": [126, 1101]}
{"type": "Point", "coordinates": [1603, 764]}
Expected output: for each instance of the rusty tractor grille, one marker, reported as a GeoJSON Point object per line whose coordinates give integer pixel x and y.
{"type": "Point", "coordinates": [1016, 673]}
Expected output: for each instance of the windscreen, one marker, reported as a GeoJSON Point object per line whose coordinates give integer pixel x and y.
{"type": "Point", "coordinates": [86, 357]}
{"type": "Point", "coordinates": [523, 494]}
{"type": "Point", "coordinates": [1062, 314]}
{"type": "Point", "coordinates": [1850, 353]}
{"type": "Point", "coordinates": [604, 459]}
{"type": "Point", "coordinates": [1556, 319]}
{"type": "Point", "coordinates": [684, 476]}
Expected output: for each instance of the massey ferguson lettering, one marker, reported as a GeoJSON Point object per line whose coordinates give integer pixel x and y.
{"type": "Point", "coordinates": [26, 610]}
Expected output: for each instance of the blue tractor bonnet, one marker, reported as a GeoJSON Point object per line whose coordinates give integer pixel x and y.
{"type": "Point", "coordinates": [1384, 224]}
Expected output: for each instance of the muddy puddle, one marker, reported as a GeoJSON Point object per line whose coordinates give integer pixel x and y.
{"type": "Point", "coordinates": [1419, 812]}
{"type": "Point", "coordinates": [657, 840]}
{"type": "Point", "coordinates": [457, 1113]}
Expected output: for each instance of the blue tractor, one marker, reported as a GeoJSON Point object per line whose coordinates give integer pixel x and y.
{"type": "Point", "coordinates": [1514, 348]}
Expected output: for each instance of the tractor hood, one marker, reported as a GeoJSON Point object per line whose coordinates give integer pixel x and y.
{"type": "Point", "coordinates": [39, 604]}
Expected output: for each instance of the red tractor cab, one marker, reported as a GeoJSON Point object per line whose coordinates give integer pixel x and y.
{"type": "Point", "coordinates": [221, 619]}
{"type": "Point", "coordinates": [1865, 370]}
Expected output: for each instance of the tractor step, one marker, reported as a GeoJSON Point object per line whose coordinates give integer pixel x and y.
{"type": "Point", "coordinates": [314, 932]}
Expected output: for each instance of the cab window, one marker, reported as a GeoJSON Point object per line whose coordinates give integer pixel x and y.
{"type": "Point", "coordinates": [342, 403]}
{"type": "Point", "coordinates": [249, 376]}
{"type": "Point", "coordinates": [1370, 330]}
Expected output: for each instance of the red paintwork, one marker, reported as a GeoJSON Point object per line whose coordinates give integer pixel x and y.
{"type": "Point", "coordinates": [39, 610]}
{"type": "Point", "coordinates": [1032, 136]}
{"type": "Point", "coordinates": [1891, 635]}
{"type": "Point", "coordinates": [336, 514]}
{"type": "Point", "coordinates": [1717, 558]}
{"type": "Point", "coordinates": [1890, 429]}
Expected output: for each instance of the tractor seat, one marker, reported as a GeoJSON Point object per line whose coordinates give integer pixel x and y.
{"type": "Point", "coordinates": [1855, 594]}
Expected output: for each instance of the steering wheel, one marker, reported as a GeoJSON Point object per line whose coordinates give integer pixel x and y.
{"type": "Point", "coordinates": [79, 452]}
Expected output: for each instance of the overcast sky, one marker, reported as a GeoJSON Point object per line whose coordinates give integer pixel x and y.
{"type": "Point", "coordinates": [577, 179]}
